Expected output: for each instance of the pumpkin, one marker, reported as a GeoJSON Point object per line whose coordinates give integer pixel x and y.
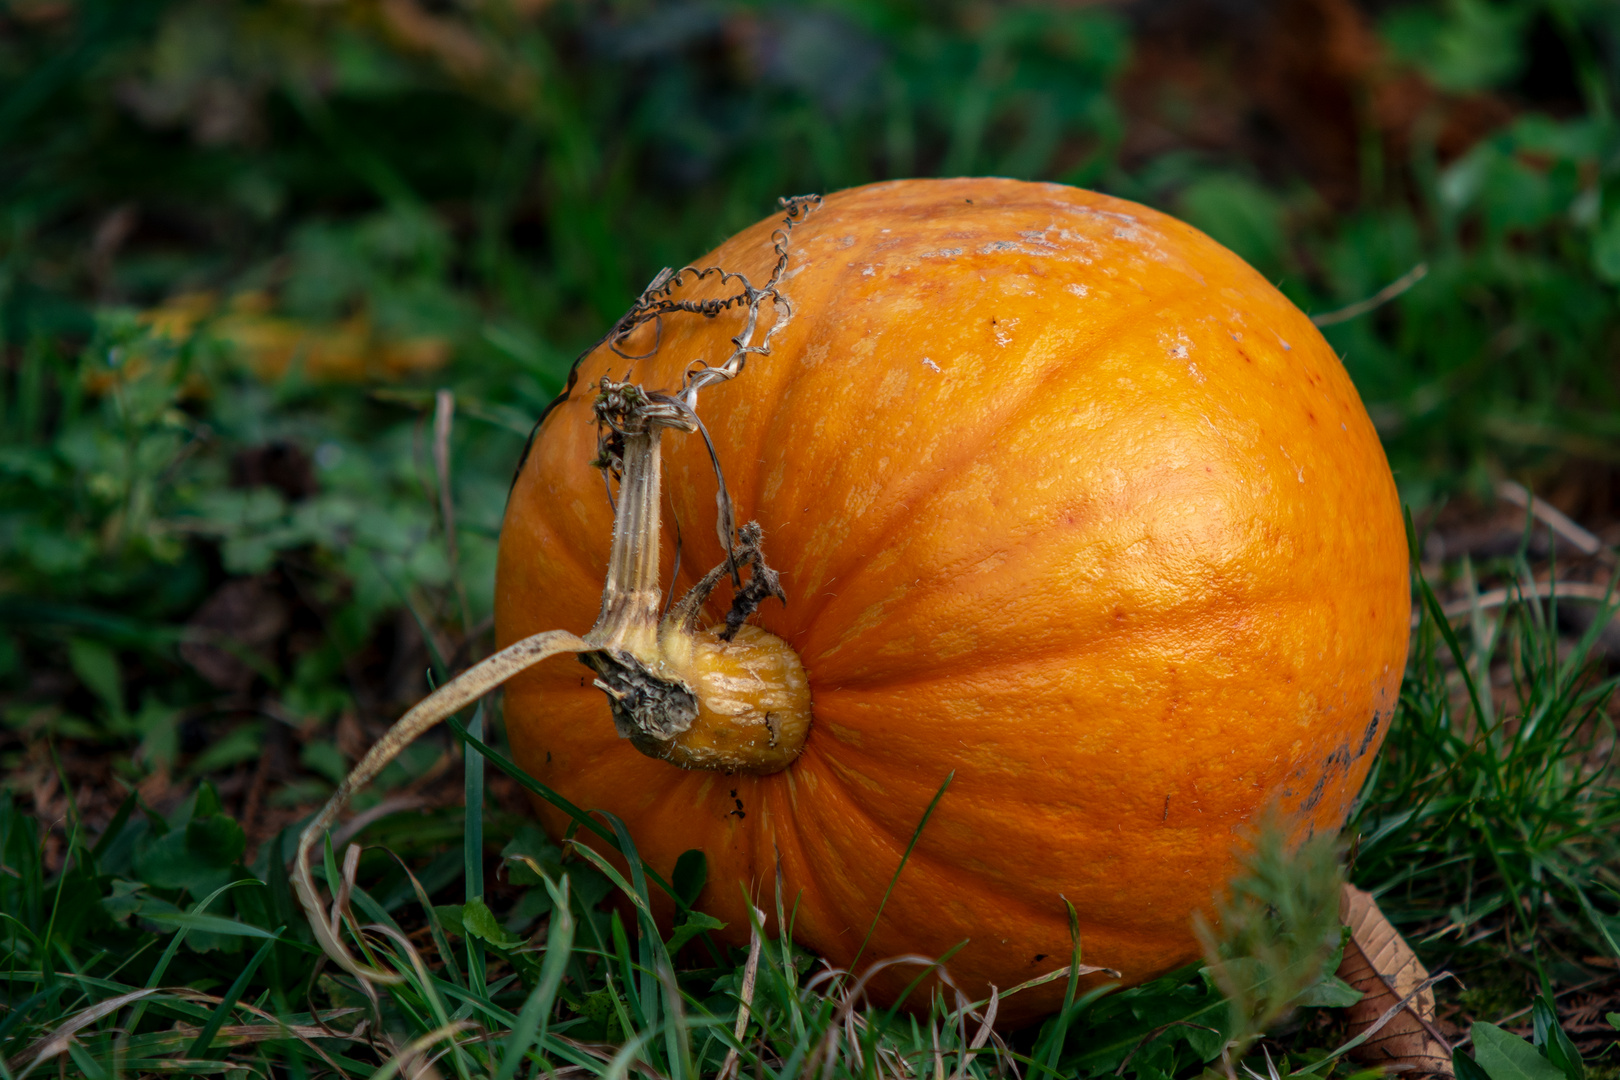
{"type": "Point", "coordinates": [1068, 505]}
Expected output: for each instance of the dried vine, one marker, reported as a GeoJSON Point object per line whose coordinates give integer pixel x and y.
{"type": "Point", "coordinates": [613, 410]}
{"type": "Point", "coordinates": [657, 300]}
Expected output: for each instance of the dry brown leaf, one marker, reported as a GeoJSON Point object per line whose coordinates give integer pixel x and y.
{"type": "Point", "coordinates": [350, 351]}
{"type": "Point", "coordinates": [1379, 963]}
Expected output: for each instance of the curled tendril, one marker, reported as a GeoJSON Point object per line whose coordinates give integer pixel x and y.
{"type": "Point", "coordinates": [658, 300]}
{"type": "Point", "coordinates": [622, 405]}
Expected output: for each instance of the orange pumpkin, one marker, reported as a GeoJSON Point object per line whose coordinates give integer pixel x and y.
{"type": "Point", "coordinates": [1066, 501]}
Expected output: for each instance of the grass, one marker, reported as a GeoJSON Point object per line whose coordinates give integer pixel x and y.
{"type": "Point", "coordinates": [1493, 817]}
{"type": "Point", "coordinates": [244, 246]}
{"type": "Point", "coordinates": [1487, 831]}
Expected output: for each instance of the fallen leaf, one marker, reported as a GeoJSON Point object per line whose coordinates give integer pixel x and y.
{"type": "Point", "coordinates": [272, 346]}
{"type": "Point", "coordinates": [1379, 963]}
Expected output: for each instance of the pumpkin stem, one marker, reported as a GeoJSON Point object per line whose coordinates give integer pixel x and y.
{"type": "Point", "coordinates": [633, 422]}
{"type": "Point", "coordinates": [699, 699]}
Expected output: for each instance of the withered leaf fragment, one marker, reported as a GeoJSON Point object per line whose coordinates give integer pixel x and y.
{"type": "Point", "coordinates": [1379, 963]}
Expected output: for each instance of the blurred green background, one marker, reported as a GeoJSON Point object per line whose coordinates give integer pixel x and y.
{"type": "Point", "coordinates": [244, 243]}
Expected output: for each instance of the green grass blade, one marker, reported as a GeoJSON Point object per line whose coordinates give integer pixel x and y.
{"type": "Point", "coordinates": [654, 958]}
{"type": "Point", "coordinates": [211, 924]}
{"type": "Point", "coordinates": [530, 784]}
{"type": "Point", "coordinates": [1053, 1038]}
{"type": "Point", "coordinates": [45, 961]}
{"type": "Point", "coordinates": [162, 966]}
{"type": "Point", "coordinates": [435, 925]}
{"type": "Point", "coordinates": [628, 970]}
{"type": "Point", "coordinates": [1437, 613]}
{"type": "Point", "coordinates": [535, 1018]}
{"type": "Point", "coordinates": [205, 1037]}
{"type": "Point", "coordinates": [473, 845]}
{"type": "Point", "coordinates": [916, 834]}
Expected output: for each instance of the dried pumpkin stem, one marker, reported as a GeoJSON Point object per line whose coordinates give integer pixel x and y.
{"type": "Point", "coordinates": [736, 700]}
{"type": "Point", "coordinates": [633, 594]}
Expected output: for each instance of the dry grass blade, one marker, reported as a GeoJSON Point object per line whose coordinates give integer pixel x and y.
{"type": "Point", "coordinates": [1060, 973]}
{"type": "Point", "coordinates": [444, 412]}
{"type": "Point", "coordinates": [248, 1034]}
{"type": "Point", "coordinates": [1376, 300]}
{"type": "Point", "coordinates": [1586, 592]}
{"type": "Point", "coordinates": [1379, 963]}
{"type": "Point", "coordinates": [1550, 516]}
{"type": "Point", "coordinates": [398, 804]}
{"type": "Point", "coordinates": [402, 1061]}
{"type": "Point", "coordinates": [59, 1040]}
{"type": "Point", "coordinates": [305, 1033]}
{"type": "Point", "coordinates": [728, 1068]}
{"type": "Point", "coordinates": [987, 1022]}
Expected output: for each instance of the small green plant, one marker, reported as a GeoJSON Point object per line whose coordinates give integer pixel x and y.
{"type": "Point", "coordinates": [1501, 1055]}
{"type": "Point", "coordinates": [1279, 939]}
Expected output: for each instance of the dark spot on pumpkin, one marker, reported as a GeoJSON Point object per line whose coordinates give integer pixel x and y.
{"type": "Point", "coordinates": [1316, 794]}
{"type": "Point", "coordinates": [1039, 957]}
{"type": "Point", "coordinates": [1119, 613]}
{"type": "Point", "coordinates": [968, 201]}
{"type": "Point", "coordinates": [738, 813]}
{"type": "Point", "coordinates": [1370, 734]}
{"type": "Point", "coordinates": [548, 757]}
